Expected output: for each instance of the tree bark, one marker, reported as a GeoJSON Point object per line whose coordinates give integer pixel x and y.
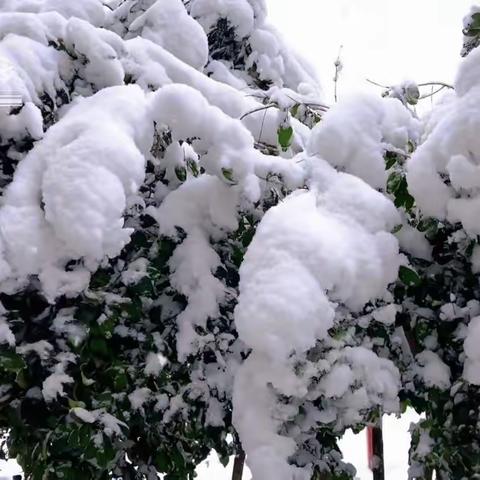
{"type": "Point", "coordinates": [238, 465]}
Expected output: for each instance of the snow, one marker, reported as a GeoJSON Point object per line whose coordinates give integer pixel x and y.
{"type": "Point", "coordinates": [33, 67]}
{"type": "Point", "coordinates": [443, 172]}
{"type": "Point", "coordinates": [205, 207]}
{"type": "Point", "coordinates": [305, 240]}
{"type": "Point", "coordinates": [168, 24]}
{"type": "Point", "coordinates": [41, 348]}
{"type": "Point", "coordinates": [386, 314]}
{"type": "Point", "coordinates": [84, 188]}
{"type": "Point", "coordinates": [64, 324]}
{"type": "Point", "coordinates": [354, 447]}
{"type": "Point", "coordinates": [224, 140]}
{"type": "Point", "coordinates": [154, 67]}
{"type": "Point", "coordinates": [270, 57]}
{"type": "Point", "coordinates": [432, 370]}
{"type": "Point", "coordinates": [111, 425]}
{"type": "Point", "coordinates": [138, 397]}
{"type": "Point", "coordinates": [201, 207]}
{"type": "Point", "coordinates": [192, 266]}
{"type": "Point", "coordinates": [414, 242]}
{"type": "Point", "coordinates": [6, 335]}
{"type": "Point", "coordinates": [337, 382]}
{"type": "Point", "coordinates": [295, 241]}
{"type": "Point", "coordinates": [103, 68]}
{"type": "Point", "coordinates": [240, 13]}
{"type": "Point", "coordinates": [471, 371]}
{"type": "Point", "coordinates": [253, 402]}
{"type": "Point", "coordinates": [90, 10]}
{"type": "Point", "coordinates": [135, 272]}
{"type": "Point", "coordinates": [354, 135]}
{"type": "Point", "coordinates": [154, 363]}
{"type": "Point", "coordinates": [84, 415]}
{"type": "Point", "coordinates": [467, 74]}
{"type": "Point", "coordinates": [310, 251]}
{"type": "Point", "coordinates": [317, 258]}
{"type": "Point", "coordinates": [52, 386]}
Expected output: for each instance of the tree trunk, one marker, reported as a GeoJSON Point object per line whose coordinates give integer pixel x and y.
{"type": "Point", "coordinates": [238, 465]}
{"type": "Point", "coordinates": [429, 474]}
{"type": "Point", "coordinates": [377, 444]}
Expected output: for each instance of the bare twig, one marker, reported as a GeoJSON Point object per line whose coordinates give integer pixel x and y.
{"type": "Point", "coordinates": [338, 69]}
{"type": "Point", "coordinates": [427, 84]}
{"type": "Point", "coordinates": [265, 107]}
{"type": "Point", "coordinates": [428, 95]}
{"type": "Point", "coordinates": [433, 92]}
{"type": "Point", "coordinates": [377, 84]}
{"type": "Point", "coordinates": [320, 106]}
{"type": "Point", "coordinates": [263, 124]}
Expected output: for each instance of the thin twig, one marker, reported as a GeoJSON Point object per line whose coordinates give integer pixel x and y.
{"type": "Point", "coordinates": [263, 123]}
{"type": "Point", "coordinates": [377, 84]}
{"type": "Point", "coordinates": [265, 107]}
{"type": "Point", "coordinates": [427, 84]}
{"type": "Point", "coordinates": [338, 69]}
{"type": "Point", "coordinates": [432, 93]}
{"type": "Point", "coordinates": [309, 104]}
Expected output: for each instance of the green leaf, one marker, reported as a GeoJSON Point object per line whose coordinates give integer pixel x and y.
{"type": "Point", "coordinates": [398, 187]}
{"type": "Point", "coordinates": [193, 167]}
{"type": "Point", "coordinates": [22, 379]}
{"type": "Point", "coordinates": [85, 380]}
{"type": "Point", "coordinates": [100, 279]}
{"type": "Point", "coordinates": [162, 462]}
{"type": "Point", "coordinates": [228, 174]}
{"type": "Point", "coordinates": [394, 182]}
{"type": "Point", "coordinates": [120, 381]}
{"type": "Point", "coordinates": [409, 277]}
{"type": "Point", "coordinates": [237, 256]}
{"type": "Point", "coordinates": [106, 457]}
{"type": "Point", "coordinates": [294, 110]}
{"type": "Point", "coordinates": [285, 137]}
{"type": "Point", "coordinates": [144, 287]}
{"type": "Point", "coordinates": [76, 404]}
{"type": "Point", "coordinates": [426, 224]}
{"type": "Point", "coordinates": [224, 460]}
{"type": "Point", "coordinates": [390, 160]}
{"type": "Point", "coordinates": [11, 362]}
{"type": "Point", "coordinates": [99, 346]}
{"type": "Point", "coordinates": [181, 173]}
{"type": "Point", "coordinates": [87, 314]}
{"type": "Point", "coordinates": [474, 27]}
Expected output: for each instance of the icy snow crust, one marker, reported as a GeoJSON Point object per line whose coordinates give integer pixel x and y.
{"type": "Point", "coordinates": [325, 249]}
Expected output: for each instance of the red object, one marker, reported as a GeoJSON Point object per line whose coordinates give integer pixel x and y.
{"type": "Point", "coordinates": [370, 448]}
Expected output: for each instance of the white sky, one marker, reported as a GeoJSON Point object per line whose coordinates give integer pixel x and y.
{"type": "Point", "coordinates": [384, 40]}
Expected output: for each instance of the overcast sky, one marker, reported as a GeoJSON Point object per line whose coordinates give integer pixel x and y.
{"type": "Point", "coordinates": [384, 40]}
